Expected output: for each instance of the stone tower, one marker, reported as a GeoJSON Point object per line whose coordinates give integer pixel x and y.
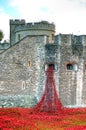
{"type": "Point", "coordinates": [13, 25]}
{"type": "Point", "coordinates": [19, 29]}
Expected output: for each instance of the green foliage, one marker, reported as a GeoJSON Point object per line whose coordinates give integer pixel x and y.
{"type": "Point", "coordinates": [1, 35]}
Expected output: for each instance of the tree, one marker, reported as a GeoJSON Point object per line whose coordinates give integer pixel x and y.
{"type": "Point", "coordinates": [1, 35]}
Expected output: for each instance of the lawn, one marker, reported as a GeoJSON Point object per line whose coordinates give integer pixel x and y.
{"type": "Point", "coordinates": [24, 119]}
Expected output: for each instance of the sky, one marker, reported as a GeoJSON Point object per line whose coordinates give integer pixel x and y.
{"type": "Point", "coordinates": [69, 16]}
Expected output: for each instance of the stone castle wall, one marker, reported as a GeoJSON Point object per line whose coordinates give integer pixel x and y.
{"type": "Point", "coordinates": [23, 65]}
{"type": "Point", "coordinates": [22, 72]}
{"type": "Point", "coordinates": [71, 85]}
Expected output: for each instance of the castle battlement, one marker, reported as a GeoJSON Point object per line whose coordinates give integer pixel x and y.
{"type": "Point", "coordinates": [69, 39]}
{"type": "Point", "coordinates": [43, 25]}
{"type": "Point", "coordinates": [20, 29]}
{"type": "Point", "coordinates": [17, 21]}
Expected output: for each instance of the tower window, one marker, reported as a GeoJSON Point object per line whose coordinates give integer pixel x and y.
{"type": "Point", "coordinates": [69, 67]}
{"type": "Point", "coordinates": [52, 36]}
{"type": "Point", "coordinates": [29, 64]}
{"type": "Point", "coordinates": [18, 37]}
{"type": "Point", "coordinates": [72, 66]}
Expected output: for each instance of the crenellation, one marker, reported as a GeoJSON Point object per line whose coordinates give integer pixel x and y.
{"type": "Point", "coordinates": [17, 21]}
{"type": "Point", "coordinates": [20, 29]}
{"type": "Point", "coordinates": [35, 26]}
{"type": "Point", "coordinates": [69, 39]}
{"type": "Point", "coordinates": [65, 39]}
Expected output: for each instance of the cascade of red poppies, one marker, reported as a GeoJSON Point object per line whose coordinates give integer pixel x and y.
{"type": "Point", "coordinates": [49, 101]}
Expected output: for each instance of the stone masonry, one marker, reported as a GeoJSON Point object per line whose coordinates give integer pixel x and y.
{"type": "Point", "coordinates": [32, 48]}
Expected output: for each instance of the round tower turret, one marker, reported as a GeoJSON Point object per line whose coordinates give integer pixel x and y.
{"type": "Point", "coordinates": [38, 28]}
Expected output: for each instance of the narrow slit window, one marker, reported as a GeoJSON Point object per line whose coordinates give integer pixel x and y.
{"type": "Point", "coordinates": [29, 64]}
{"type": "Point", "coordinates": [18, 37]}
{"type": "Point", "coordinates": [52, 36]}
